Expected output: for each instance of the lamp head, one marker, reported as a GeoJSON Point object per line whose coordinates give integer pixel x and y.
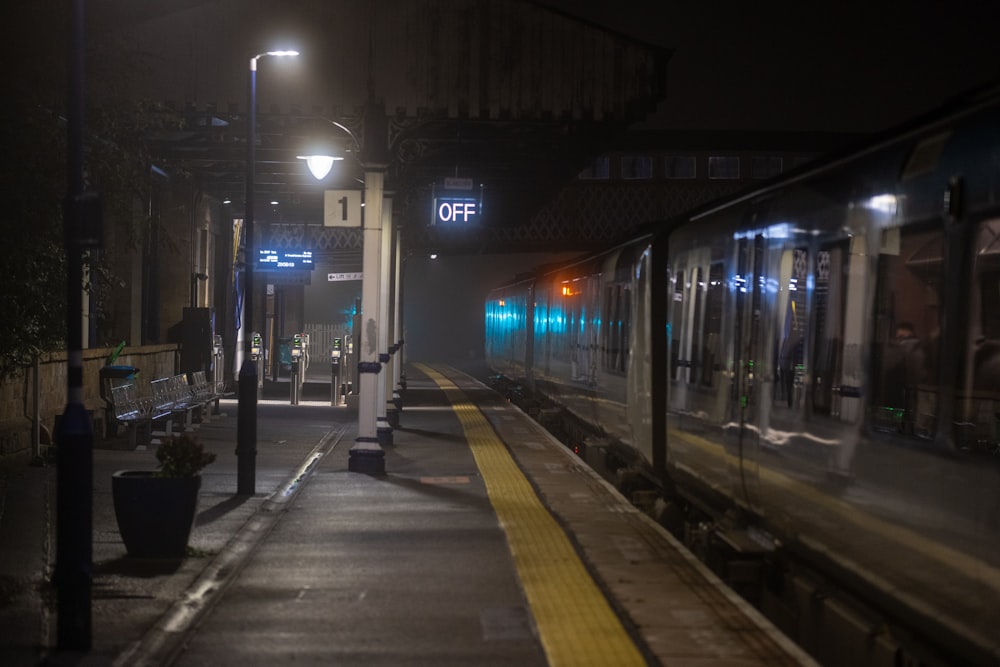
{"type": "Point", "coordinates": [319, 165]}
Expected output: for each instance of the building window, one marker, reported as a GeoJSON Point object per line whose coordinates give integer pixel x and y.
{"type": "Point", "coordinates": [597, 170]}
{"type": "Point", "coordinates": [765, 166]}
{"type": "Point", "coordinates": [724, 167]}
{"type": "Point", "coordinates": [637, 167]}
{"type": "Point", "coordinates": [680, 166]}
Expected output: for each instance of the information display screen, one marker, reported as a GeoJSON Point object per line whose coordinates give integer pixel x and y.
{"type": "Point", "coordinates": [284, 260]}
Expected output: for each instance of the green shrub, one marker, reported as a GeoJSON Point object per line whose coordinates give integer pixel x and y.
{"type": "Point", "coordinates": [182, 456]}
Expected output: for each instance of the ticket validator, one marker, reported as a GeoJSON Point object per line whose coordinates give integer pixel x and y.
{"type": "Point", "coordinates": [336, 356]}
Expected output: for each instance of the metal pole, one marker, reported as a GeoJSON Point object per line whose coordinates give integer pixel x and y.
{"type": "Point", "coordinates": [246, 420]}
{"type": "Point", "coordinates": [75, 465]}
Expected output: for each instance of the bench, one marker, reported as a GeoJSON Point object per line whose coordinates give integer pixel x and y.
{"type": "Point", "coordinates": [207, 391]}
{"type": "Point", "coordinates": [172, 397]}
{"type": "Point", "coordinates": [140, 406]}
{"type": "Point", "coordinates": [134, 411]}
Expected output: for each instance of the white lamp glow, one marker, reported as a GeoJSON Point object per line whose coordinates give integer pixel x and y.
{"type": "Point", "coordinates": [319, 165]}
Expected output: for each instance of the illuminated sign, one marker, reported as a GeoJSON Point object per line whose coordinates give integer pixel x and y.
{"type": "Point", "coordinates": [284, 260]}
{"type": "Point", "coordinates": [456, 210]}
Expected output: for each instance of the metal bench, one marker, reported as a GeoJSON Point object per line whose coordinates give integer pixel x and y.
{"type": "Point", "coordinates": [132, 411]}
{"type": "Point", "coordinates": [207, 392]}
{"type": "Point", "coordinates": [172, 398]}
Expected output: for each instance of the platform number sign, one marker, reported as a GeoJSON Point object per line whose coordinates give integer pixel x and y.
{"type": "Point", "coordinates": [342, 208]}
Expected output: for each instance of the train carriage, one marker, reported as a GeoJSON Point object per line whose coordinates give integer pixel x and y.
{"type": "Point", "coordinates": [812, 374]}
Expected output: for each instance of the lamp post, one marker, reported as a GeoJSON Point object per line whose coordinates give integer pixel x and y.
{"type": "Point", "coordinates": [246, 424]}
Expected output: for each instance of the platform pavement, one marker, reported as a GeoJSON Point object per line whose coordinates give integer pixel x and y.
{"type": "Point", "coordinates": [276, 585]}
{"type": "Point", "coordinates": [129, 595]}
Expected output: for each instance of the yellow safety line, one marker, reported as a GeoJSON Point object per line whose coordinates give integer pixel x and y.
{"type": "Point", "coordinates": [575, 623]}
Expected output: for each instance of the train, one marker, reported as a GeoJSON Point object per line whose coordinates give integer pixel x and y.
{"type": "Point", "coordinates": [802, 382]}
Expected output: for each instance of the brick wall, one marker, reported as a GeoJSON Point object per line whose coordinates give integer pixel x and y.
{"type": "Point", "coordinates": [17, 394]}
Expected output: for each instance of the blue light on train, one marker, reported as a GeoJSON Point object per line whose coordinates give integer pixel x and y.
{"type": "Point", "coordinates": [642, 261]}
{"type": "Point", "coordinates": [780, 230]}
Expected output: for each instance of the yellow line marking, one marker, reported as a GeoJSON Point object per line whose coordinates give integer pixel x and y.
{"type": "Point", "coordinates": [575, 623]}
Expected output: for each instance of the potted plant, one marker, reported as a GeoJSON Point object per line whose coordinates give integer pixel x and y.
{"type": "Point", "coordinates": [155, 508]}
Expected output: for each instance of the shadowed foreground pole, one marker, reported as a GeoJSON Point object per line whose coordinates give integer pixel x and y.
{"type": "Point", "coordinates": [246, 411]}
{"type": "Point", "coordinates": [75, 437]}
{"type": "Point", "coordinates": [246, 399]}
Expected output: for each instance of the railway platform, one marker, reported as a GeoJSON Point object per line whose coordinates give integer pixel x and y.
{"type": "Point", "coordinates": [486, 542]}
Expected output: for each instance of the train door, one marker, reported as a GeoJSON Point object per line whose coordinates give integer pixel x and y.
{"type": "Point", "coordinates": [743, 432]}
{"type": "Point", "coordinates": [592, 325]}
{"type": "Point", "coordinates": [689, 282]}
{"type": "Point", "coordinates": [815, 342]}
{"type": "Point", "coordinates": [840, 310]}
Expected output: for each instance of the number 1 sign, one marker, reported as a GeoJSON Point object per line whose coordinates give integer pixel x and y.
{"type": "Point", "coordinates": [342, 208]}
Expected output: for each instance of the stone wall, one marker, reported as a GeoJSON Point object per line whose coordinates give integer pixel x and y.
{"type": "Point", "coordinates": [17, 394]}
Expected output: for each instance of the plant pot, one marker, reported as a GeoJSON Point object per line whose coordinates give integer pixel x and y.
{"type": "Point", "coordinates": [154, 514]}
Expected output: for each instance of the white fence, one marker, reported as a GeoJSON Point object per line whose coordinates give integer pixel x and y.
{"type": "Point", "coordinates": [321, 339]}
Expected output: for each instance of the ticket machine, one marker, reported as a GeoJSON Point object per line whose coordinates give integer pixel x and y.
{"type": "Point", "coordinates": [256, 347]}
{"type": "Point", "coordinates": [257, 356]}
{"type": "Point", "coordinates": [218, 362]}
{"type": "Point", "coordinates": [300, 363]}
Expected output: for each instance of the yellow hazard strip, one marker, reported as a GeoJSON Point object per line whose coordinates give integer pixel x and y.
{"type": "Point", "coordinates": [575, 623]}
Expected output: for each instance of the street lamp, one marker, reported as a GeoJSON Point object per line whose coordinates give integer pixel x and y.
{"type": "Point", "coordinates": [246, 423]}
{"type": "Point", "coordinates": [321, 157]}
{"type": "Point", "coordinates": [319, 165]}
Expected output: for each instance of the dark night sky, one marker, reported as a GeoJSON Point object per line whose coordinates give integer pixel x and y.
{"type": "Point", "coordinates": [781, 65]}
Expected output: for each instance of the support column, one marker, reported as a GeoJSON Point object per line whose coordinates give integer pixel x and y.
{"type": "Point", "coordinates": [395, 335]}
{"type": "Point", "coordinates": [366, 455]}
{"type": "Point", "coordinates": [383, 428]}
{"type": "Point", "coordinates": [398, 374]}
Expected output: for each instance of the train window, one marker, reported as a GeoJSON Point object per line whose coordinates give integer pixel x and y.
{"type": "Point", "coordinates": [748, 283]}
{"type": "Point", "coordinates": [677, 325]}
{"type": "Point", "coordinates": [712, 328]}
{"type": "Point", "coordinates": [680, 166]}
{"type": "Point", "coordinates": [978, 408]}
{"type": "Point", "coordinates": [698, 291]}
{"type": "Point", "coordinates": [626, 328]}
{"type": "Point", "coordinates": [925, 156]}
{"type": "Point", "coordinates": [615, 335]}
{"type": "Point", "coordinates": [907, 337]}
{"type": "Point", "coordinates": [724, 167]}
{"type": "Point", "coordinates": [792, 327]}
{"type": "Point", "coordinates": [830, 347]}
